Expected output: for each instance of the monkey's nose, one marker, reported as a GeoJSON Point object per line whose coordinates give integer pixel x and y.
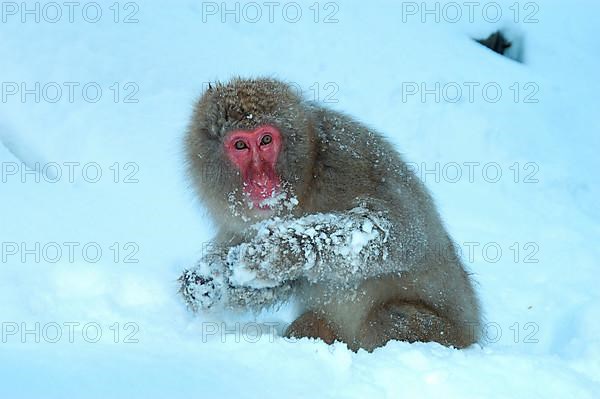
{"type": "Point", "coordinates": [256, 159]}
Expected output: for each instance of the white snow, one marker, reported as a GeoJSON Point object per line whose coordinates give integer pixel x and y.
{"type": "Point", "coordinates": [529, 235]}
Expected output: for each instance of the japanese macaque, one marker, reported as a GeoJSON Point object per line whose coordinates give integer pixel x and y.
{"type": "Point", "coordinates": [312, 205]}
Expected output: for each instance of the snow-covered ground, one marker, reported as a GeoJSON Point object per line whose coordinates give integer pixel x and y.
{"type": "Point", "coordinates": [77, 322]}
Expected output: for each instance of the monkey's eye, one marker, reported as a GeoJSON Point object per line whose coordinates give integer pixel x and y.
{"type": "Point", "coordinates": [240, 145]}
{"type": "Point", "coordinates": [267, 139]}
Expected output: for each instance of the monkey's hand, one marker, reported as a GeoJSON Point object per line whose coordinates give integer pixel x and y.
{"type": "Point", "coordinates": [341, 247]}
{"type": "Point", "coordinates": [202, 286]}
{"type": "Point", "coordinates": [206, 286]}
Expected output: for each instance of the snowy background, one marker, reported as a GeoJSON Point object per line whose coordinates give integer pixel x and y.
{"type": "Point", "coordinates": [529, 235]}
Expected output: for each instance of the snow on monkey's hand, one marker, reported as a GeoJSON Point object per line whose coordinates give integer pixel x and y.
{"type": "Point", "coordinates": [207, 286]}
{"type": "Point", "coordinates": [316, 247]}
{"type": "Point", "coordinates": [344, 248]}
{"type": "Point", "coordinates": [202, 286]}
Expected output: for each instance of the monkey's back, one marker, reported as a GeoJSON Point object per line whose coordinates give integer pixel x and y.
{"type": "Point", "coordinates": [354, 163]}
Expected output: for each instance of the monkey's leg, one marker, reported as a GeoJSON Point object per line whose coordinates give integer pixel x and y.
{"type": "Point", "coordinates": [313, 325]}
{"type": "Point", "coordinates": [412, 322]}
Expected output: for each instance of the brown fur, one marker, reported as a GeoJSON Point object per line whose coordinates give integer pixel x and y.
{"type": "Point", "coordinates": [331, 163]}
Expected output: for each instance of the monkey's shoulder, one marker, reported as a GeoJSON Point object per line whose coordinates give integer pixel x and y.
{"type": "Point", "coordinates": [349, 148]}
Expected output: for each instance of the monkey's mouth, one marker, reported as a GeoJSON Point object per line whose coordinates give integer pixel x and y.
{"type": "Point", "coordinates": [263, 192]}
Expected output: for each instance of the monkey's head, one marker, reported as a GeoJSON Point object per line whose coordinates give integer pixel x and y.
{"type": "Point", "coordinates": [250, 149]}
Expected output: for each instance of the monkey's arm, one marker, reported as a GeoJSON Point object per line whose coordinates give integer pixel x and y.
{"type": "Point", "coordinates": [343, 248]}
{"type": "Point", "coordinates": [206, 286]}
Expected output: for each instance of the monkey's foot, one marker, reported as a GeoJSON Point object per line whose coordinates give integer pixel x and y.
{"type": "Point", "coordinates": [312, 325]}
{"type": "Point", "coordinates": [199, 292]}
{"type": "Point", "coordinates": [397, 320]}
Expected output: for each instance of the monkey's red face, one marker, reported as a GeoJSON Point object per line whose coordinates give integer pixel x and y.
{"type": "Point", "coordinates": [254, 153]}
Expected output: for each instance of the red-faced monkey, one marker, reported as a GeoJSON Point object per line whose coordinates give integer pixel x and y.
{"type": "Point", "coordinates": [311, 204]}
